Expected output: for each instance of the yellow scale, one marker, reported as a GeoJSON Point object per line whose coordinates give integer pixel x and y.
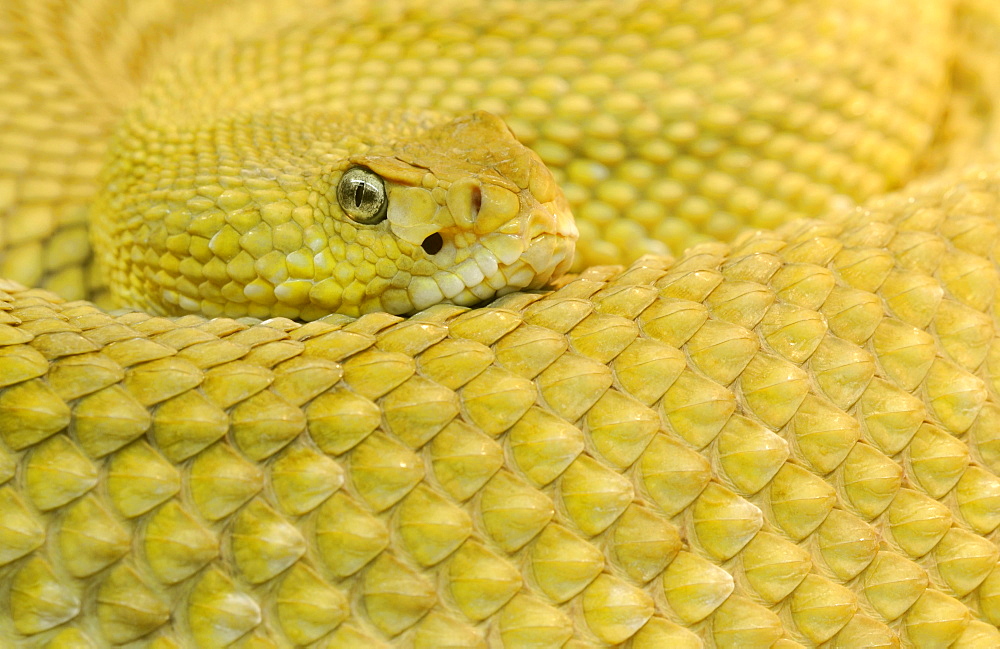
{"type": "Point", "coordinates": [770, 439]}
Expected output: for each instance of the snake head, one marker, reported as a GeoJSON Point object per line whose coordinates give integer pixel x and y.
{"type": "Point", "coordinates": [473, 212]}
{"type": "Point", "coordinates": [307, 214]}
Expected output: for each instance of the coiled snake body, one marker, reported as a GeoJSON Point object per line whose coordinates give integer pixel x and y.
{"type": "Point", "coordinates": [783, 437]}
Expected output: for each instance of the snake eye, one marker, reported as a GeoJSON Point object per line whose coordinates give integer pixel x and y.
{"type": "Point", "coordinates": [361, 195]}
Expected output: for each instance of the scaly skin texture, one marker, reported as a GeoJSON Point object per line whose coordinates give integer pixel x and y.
{"type": "Point", "coordinates": [665, 123]}
{"type": "Point", "coordinates": [791, 439]}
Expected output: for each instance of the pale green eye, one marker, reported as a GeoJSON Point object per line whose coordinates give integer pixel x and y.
{"type": "Point", "coordinates": [361, 195]}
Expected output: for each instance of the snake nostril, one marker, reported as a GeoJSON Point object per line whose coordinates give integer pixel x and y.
{"type": "Point", "coordinates": [475, 203]}
{"type": "Point", "coordinates": [432, 244]}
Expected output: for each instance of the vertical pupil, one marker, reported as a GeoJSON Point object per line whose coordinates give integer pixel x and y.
{"type": "Point", "coordinates": [359, 194]}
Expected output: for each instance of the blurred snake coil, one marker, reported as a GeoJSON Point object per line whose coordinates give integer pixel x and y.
{"type": "Point", "coordinates": [762, 411]}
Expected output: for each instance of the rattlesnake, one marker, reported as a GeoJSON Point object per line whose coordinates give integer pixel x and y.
{"type": "Point", "coordinates": [777, 437]}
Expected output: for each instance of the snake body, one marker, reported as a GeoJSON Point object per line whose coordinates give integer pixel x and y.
{"type": "Point", "coordinates": [774, 438]}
